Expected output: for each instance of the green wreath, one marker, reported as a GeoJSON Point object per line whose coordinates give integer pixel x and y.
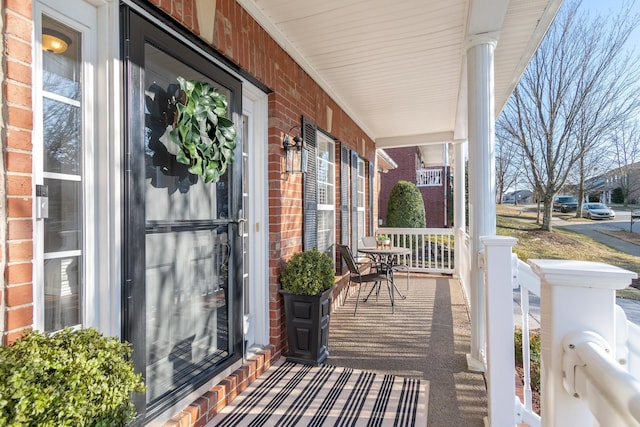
{"type": "Point", "coordinates": [202, 131]}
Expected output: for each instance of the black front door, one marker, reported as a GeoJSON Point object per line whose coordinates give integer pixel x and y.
{"type": "Point", "coordinates": [182, 269]}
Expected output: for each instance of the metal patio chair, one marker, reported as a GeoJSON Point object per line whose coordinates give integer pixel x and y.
{"type": "Point", "coordinates": [375, 277]}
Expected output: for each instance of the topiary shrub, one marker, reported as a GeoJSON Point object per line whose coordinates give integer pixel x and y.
{"type": "Point", "coordinates": [70, 378]}
{"type": "Point", "coordinates": [406, 206]}
{"type": "Point", "coordinates": [308, 273]}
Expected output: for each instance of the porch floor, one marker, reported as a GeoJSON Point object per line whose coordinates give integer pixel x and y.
{"type": "Point", "coordinates": [427, 337]}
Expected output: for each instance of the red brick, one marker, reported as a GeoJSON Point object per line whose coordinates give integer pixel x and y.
{"type": "Point", "coordinates": [19, 318]}
{"type": "Point", "coordinates": [20, 117]}
{"type": "Point", "coordinates": [18, 185]}
{"type": "Point", "coordinates": [18, 72]}
{"type": "Point", "coordinates": [17, 274]}
{"type": "Point", "coordinates": [18, 49]}
{"type": "Point", "coordinates": [18, 94]}
{"type": "Point", "coordinates": [19, 139]}
{"type": "Point", "coordinates": [19, 207]}
{"type": "Point", "coordinates": [12, 336]}
{"type": "Point", "coordinates": [19, 295]}
{"type": "Point", "coordinates": [20, 229]}
{"type": "Point", "coordinates": [22, 7]}
{"type": "Point", "coordinates": [19, 162]}
{"type": "Point", "coordinates": [19, 26]}
{"type": "Point", "coordinates": [19, 251]}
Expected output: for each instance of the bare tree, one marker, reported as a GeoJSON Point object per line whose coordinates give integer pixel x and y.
{"type": "Point", "coordinates": [614, 104]}
{"type": "Point", "coordinates": [567, 93]}
{"type": "Point", "coordinates": [507, 164]}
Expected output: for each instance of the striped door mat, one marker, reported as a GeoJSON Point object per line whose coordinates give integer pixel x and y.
{"type": "Point", "coordinates": [291, 394]}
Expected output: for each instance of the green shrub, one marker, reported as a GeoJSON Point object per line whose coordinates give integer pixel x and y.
{"type": "Point", "coordinates": [308, 273]}
{"type": "Point", "coordinates": [617, 195]}
{"type": "Point", "coordinates": [406, 206]}
{"type": "Point", "coordinates": [534, 350]}
{"type": "Point", "coordinates": [70, 378]}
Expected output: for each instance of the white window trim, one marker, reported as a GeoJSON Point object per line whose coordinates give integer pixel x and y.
{"type": "Point", "coordinates": [361, 197]}
{"type": "Point", "coordinates": [101, 165]}
{"type": "Point", "coordinates": [332, 184]}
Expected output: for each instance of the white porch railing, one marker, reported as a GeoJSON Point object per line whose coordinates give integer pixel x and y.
{"type": "Point", "coordinates": [463, 261]}
{"type": "Point", "coordinates": [428, 177]}
{"type": "Point", "coordinates": [590, 351]}
{"type": "Point", "coordinates": [431, 248]}
{"type": "Point", "coordinates": [528, 283]}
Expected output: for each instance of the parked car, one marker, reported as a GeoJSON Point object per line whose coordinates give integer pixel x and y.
{"type": "Point", "coordinates": [565, 203]}
{"type": "Point", "coordinates": [597, 211]}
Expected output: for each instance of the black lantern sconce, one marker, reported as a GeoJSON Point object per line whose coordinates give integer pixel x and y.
{"type": "Point", "coordinates": [296, 154]}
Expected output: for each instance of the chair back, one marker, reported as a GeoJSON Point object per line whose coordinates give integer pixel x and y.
{"type": "Point", "coordinates": [369, 241]}
{"type": "Point", "coordinates": [346, 254]}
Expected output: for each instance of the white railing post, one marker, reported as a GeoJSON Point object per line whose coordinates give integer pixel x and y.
{"type": "Point", "coordinates": [575, 296]}
{"type": "Point", "coordinates": [500, 357]}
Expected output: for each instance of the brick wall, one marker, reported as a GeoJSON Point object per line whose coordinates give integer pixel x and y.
{"type": "Point", "coordinates": [16, 175]}
{"type": "Point", "coordinates": [237, 36]}
{"type": "Point", "coordinates": [434, 197]}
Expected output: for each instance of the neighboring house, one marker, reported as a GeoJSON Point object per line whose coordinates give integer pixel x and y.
{"type": "Point", "coordinates": [626, 178]}
{"type": "Point", "coordinates": [426, 167]}
{"type": "Point", "coordinates": [102, 227]}
{"type": "Point", "coordinates": [523, 197]}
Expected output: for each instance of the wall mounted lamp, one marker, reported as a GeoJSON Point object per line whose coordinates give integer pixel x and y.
{"type": "Point", "coordinates": [54, 41]}
{"type": "Point", "coordinates": [296, 154]}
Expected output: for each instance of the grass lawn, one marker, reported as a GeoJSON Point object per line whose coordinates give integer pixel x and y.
{"type": "Point", "coordinates": [533, 243]}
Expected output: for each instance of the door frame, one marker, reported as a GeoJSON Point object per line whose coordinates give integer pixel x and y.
{"type": "Point", "coordinates": [137, 30]}
{"type": "Point", "coordinates": [255, 104]}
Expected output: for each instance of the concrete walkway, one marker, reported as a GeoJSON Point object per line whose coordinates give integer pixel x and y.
{"type": "Point", "coordinates": [427, 337]}
{"type": "Point", "coordinates": [593, 231]}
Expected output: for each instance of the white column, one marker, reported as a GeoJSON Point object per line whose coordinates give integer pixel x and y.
{"type": "Point", "coordinates": [482, 207]}
{"type": "Point", "coordinates": [575, 296]}
{"type": "Point", "coordinates": [459, 205]}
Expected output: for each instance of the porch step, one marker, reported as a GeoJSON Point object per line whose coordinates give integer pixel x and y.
{"type": "Point", "coordinates": [203, 409]}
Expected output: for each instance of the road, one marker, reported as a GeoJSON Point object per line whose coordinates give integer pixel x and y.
{"type": "Point", "coordinates": [592, 229]}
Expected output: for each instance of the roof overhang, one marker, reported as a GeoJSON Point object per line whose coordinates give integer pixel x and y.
{"type": "Point", "coordinates": [398, 68]}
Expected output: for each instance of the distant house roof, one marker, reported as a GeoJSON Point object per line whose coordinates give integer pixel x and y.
{"type": "Point", "coordinates": [385, 162]}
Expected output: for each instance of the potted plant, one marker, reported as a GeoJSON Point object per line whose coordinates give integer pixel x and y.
{"type": "Point", "coordinates": [70, 378]}
{"type": "Point", "coordinates": [383, 240]}
{"type": "Point", "coordinates": [307, 281]}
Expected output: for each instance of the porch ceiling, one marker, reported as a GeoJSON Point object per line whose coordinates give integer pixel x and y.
{"type": "Point", "coordinates": [398, 67]}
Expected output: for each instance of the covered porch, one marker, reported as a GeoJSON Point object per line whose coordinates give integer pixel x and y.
{"type": "Point", "coordinates": [427, 338]}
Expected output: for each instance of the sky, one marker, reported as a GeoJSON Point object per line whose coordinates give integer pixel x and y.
{"type": "Point", "coordinates": [606, 6]}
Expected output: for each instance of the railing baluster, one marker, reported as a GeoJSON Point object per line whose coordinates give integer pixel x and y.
{"type": "Point", "coordinates": [427, 246]}
{"type": "Point", "coordinates": [526, 349]}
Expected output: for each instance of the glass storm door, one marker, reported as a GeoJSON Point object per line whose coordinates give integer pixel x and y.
{"type": "Point", "coordinates": [183, 239]}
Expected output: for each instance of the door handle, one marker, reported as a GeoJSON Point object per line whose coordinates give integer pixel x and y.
{"type": "Point", "coordinates": [240, 221]}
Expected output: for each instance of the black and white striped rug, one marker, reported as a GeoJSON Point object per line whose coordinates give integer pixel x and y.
{"type": "Point", "coordinates": [292, 394]}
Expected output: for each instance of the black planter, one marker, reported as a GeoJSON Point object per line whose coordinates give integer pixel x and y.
{"type": "Point", "coordinates": [307, 326]}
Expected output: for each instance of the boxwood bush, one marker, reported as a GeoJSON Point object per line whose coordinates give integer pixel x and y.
{"type": "Point", "coordinates": [70, 378]}
{"type": "Point", "coordinates": [308, 273]}
{"type": "Point", "coordinates": [405, 208]}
